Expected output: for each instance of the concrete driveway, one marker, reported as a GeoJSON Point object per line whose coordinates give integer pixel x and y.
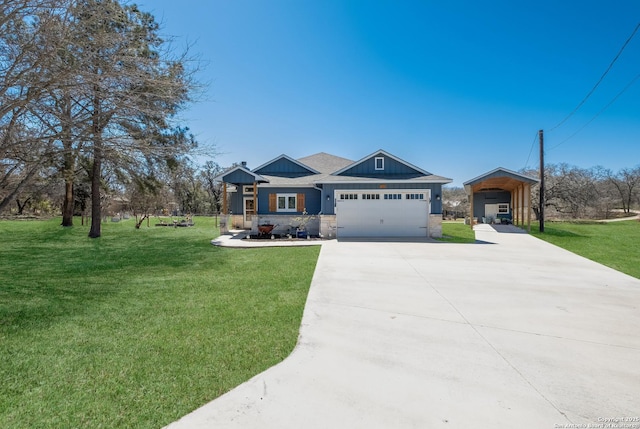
{"type": "Point", "coordinates": [511, 333]}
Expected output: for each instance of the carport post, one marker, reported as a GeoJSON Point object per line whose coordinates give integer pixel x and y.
{"type": "Point", "coordinates": [522, 206]}
{"type": "Point", "coordinates": [528, 208]}
{"type": "Point", "coordinates": [471, 209]}
{"type": "Point", "coordinates": [516, 202]}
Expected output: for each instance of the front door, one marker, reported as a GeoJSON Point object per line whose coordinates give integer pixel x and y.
{"type": "Point", "coordinates": [248, 212]}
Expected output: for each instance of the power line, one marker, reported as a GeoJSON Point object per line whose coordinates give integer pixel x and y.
{"type": "Point", "coordinates": [535, 137]}
{"type": "Point", "coordinates": [599, 80]}
{"type": "Point", "coordinates": [602, 110]}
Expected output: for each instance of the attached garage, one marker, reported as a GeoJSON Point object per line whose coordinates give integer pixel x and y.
{"type": "Point", "coordinates": [382, 213]}
{"type": "Point", "coordinates": [380, 195]}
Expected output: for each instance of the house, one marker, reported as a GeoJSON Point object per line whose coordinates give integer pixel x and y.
{"type": "Point", "coordinates": [379, 195]}
{"type": "Point", "coordinates": [501, 195]}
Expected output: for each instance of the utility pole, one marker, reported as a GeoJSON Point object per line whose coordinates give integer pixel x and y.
{"type": "Point", "coordinates": [541, 209]}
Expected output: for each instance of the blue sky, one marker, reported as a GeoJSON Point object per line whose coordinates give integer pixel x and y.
{"type": "Point", "coordinates": [457, 88]}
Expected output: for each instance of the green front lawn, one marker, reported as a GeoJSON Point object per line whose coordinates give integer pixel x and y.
{"type": "Point", "coordinates": [614, 244]}
{"type": "Point", "coordinates": [139, 327]}
{"type": "Point", "coordinates": [457, 232]}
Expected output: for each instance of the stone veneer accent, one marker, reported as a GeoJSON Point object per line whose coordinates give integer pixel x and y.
{"type": "Point", "coordinates": [328, 227]}
{"type": "Point", "coordinates": [286, 223]}
{"type": "Point", "coordinates": [235, 221]}
{"type": "Point", "coordinates": [435, 225]}
{"type": "Point", "coordinates": [324, 225]}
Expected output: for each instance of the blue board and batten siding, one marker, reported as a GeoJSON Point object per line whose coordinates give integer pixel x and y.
{"type": "Point", "coordinates": [311, 199]}
{"type": "Point", "coordinates": [392, 169]}
{"type": "Point", "coordinates": [239, 177]}
{"type": "Point", "coordinates": [328, 204]}
{"type": "Point", "coordinates": [284, 168]}
{"type": "Point", "coordinates": [236, 199]}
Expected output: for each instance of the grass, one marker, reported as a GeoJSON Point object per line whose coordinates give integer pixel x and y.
{"type": "Point", "coordinates": [614, 244]}
{"type": "Point", "coordinates": [139, 327]}
{"type": "Point", "coordinates": [457, 232]}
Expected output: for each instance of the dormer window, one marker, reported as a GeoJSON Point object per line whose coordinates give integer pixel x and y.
{"type": "Point", "coordinates": [379, 163]}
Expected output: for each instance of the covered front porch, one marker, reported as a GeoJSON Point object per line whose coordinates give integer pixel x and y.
{"type": "Point", "coordinates": [239, 198]}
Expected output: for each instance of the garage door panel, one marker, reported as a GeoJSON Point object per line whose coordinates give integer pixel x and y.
{"type": "Point", "coordinates": [382, 217]}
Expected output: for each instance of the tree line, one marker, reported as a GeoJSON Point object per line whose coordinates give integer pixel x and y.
{"type": "Point", "coordinates": [570, 193]}
{"type": "Point", "coordinates": [89, 100]}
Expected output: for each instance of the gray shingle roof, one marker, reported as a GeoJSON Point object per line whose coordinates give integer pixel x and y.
{"type": "Point", "coordinates": [325, 162]}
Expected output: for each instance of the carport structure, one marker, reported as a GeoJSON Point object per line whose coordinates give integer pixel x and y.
{"type": "Point", "coordinates": [501, 193]}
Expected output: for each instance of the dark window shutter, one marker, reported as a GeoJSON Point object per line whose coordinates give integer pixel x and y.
{"type": "Point", "coordinates": [273, 205]}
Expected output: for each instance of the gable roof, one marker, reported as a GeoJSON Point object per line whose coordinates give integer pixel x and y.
{"type": "Point", "coordinates": [287, 159]}
{"type": "Point", "coordinates": [326, 168]}
{"type": "Point", "coordinates": [240, 175]}
{"type": "Point", "coordinates": [498, 178]}
{"type": "Point", "coordinates": [378, 153]}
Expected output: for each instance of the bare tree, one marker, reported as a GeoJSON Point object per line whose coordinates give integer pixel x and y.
{"type": "Point", "coordinates": [213, 187]}
{"type": "Point", "coordinates": [455, 202]}
{"type": "Point", "coordinates": [25, 144]}
{"type": "Point", "coordinates": [627, 184]}
{"type": "Point", "coordinates": [569, 190]}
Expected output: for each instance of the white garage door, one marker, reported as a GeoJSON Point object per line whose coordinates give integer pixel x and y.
{"type": "Point", "coordinates": [382, 213]}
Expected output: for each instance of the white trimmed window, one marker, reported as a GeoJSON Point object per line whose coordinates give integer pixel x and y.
{"type": "Point", "coordinates": [286, 202]}
{"type": "Point", "coordinates": [247, 189]}
{"type": "Point", "coordinates": [503, 208]}
{"type": "Point", "coordinates": [379, 161]}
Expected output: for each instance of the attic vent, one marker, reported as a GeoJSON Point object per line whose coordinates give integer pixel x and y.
{"type": "Point", "coordinates": [379, 163]}
{"type": "Point", "coordinates": [244, 164]}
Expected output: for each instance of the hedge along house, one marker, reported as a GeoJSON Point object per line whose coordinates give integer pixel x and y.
{"type": "Point", "coordinates": [380, 195]}
{"type": "Point", "coordinates": [501, 195]}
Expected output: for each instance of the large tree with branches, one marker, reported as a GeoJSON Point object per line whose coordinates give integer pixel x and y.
{"type": "Point", "coordinates": [86, 83]}
{"type": "Point", "coordinates": [132, 87]}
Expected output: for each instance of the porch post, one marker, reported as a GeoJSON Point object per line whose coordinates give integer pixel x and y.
{"type": "Point", "coordinates": [224, 198]}
{"type": "Point", "coordinates": [255, 198]}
